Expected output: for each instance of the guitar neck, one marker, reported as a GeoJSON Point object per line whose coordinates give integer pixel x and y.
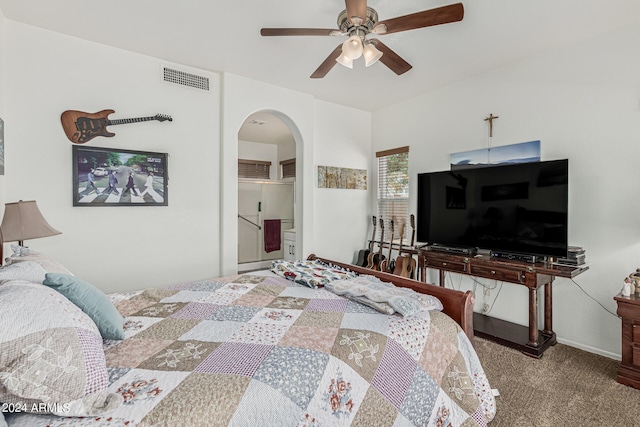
{"type": "Point", "coordinates": [134, 120]}
{"type": "Point", "coordinates": [381, 238]}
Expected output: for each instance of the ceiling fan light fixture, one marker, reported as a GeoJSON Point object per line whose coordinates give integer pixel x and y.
{"type": "Point", "coordinates": [352, 47]}
{"type": "Point", "coordinates": [345, 60]}
{"type": "Point", "coordinates": [371, 54]}
{"type": "Point", "coordinates": [379, 29]}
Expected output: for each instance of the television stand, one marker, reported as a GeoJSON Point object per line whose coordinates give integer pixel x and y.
{"type": "Point", "coordinates": [527, 339]}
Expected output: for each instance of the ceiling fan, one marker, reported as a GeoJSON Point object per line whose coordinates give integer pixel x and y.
{"type": "Point", "coordinates": [357, 21]}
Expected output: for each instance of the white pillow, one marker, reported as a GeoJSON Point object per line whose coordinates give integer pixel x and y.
{"type": "Point", "coordinates": [49, 264]}
{"type": "Point", "coordinates": [51, 353]}
{"type": "Point", "coordinates": [26, 270]}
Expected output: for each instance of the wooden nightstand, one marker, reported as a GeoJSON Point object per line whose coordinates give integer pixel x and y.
{"type": "Point", "coordinates": [629, 310]}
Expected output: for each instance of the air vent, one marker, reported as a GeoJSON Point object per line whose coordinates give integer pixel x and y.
{"type": "Point", "coordinates": [185, 79]}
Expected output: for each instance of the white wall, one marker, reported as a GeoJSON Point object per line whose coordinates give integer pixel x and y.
{"type": "Point", "coordinates": [583, 103]}
{"type": "Point", "coordinates": [342, 139]}
{"type": "Point", "coordinates": [242, 97]}
{"type": "Point", "coordinates": [113, 247]}
{"type": "Point", "coordinates": [321, 131]}
{"type": "Point", "coordinates": [196, 235]}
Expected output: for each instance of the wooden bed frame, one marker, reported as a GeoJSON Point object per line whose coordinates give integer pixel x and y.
{"type": "Point", "coordinates": [457, 304]}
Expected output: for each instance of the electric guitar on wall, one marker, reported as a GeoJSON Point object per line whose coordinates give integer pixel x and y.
{"type": "Point", "coordinates": [81, 127]}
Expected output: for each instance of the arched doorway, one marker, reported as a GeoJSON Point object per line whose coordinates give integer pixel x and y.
{"type": "Point", "coordinates": [266, 191]}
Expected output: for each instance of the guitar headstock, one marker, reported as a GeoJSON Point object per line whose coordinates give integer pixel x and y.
{"type": "Point", "coordinates": [413, 229]}
{"type": "Point", "coordinates": [402, 228]}
{"type": "Point", "coordinates": [162, 117]}
{"type": "Point", "coordinates": [373, 219]}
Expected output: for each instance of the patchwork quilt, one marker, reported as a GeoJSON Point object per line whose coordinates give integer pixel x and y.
{"type": "Point", "coordinates": [261, 350]}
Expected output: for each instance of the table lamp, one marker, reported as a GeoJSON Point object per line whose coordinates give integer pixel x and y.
{"type": "Point", "coordinates": [23, 221]}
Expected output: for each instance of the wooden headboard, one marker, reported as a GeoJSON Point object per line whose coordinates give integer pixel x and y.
{"type": "Point", "coordinates": [457, 304]}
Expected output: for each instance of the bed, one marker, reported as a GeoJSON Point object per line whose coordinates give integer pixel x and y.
{"type": "Point", "coordinates": [264, 348]}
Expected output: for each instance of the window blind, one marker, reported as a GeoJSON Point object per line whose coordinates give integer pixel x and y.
{"type": "Point", "coordinates": [288, 168]}
{"type": "Point", "coordinates": [393, 191]}
{"type": "Point", "coordinates": [253, 169]}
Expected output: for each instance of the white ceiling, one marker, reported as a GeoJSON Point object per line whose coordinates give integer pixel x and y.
{"type": "Point", "coordinates": [266, 128]}
{"type": "Point", "coordinates": [225, 36]}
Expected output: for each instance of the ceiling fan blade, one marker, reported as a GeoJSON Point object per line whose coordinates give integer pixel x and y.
{"type": "Point", "coordinates": [427, 18]}
{"type": "Point", "coordinates": [357, 8]}
{"type": "Point", "coordinates": [328, 63]}
{"type": "Point", "coordinates": [299, 32]}
{"type": "Point", "coordinates": [391, 59]}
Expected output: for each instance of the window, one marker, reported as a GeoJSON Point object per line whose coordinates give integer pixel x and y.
{"type": "Point", "coordinates": [253, 169]}
{"type": "Point", "coordinates": [393, 188]}
{"type": "Point", "coordinates": [288, 168]}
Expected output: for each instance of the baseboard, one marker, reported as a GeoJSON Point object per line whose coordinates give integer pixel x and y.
{"type": "Point", "coordinates": [610, 355]}
{"type": "Point", "coordinates": [254, 266]}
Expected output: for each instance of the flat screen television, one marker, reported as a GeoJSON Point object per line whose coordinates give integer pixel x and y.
{"type": "Point", "coordinates": [516, 208]}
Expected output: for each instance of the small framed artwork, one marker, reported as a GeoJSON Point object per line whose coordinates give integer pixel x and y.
{"type": "Point", "coordinates": [335, 177]}
{"type": "Point", "coordinates": [115, 177]}
{"type": "Point", "coordinates": [523, 152]}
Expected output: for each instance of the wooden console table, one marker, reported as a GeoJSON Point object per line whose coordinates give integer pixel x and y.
{"type": "Point", "coordinates": [534, 276]}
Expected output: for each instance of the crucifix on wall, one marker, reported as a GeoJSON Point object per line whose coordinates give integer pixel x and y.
{"type": "Point", "coordinates": [490, 119]}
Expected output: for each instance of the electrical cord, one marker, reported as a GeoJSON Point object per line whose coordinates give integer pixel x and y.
{"type": "Point", "coordinates": [494, 299]}
{"type": "Point", "coordinates": [598, 302]}
{"type": "Point", "coordinates": [476, 282]}
{"type": "Point", "coordinates": [484, 285]}
{"type": "Point", "coordinates": [576, 283]}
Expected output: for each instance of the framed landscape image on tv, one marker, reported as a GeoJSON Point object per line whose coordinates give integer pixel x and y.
{"type": "Point", "coordinates": [116, 177]}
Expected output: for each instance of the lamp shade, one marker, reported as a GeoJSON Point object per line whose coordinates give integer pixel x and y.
{"type": "Point", "coordinates": [23, 221]}
{"type": "Point", "coordinates": [352, 47]}
{"type": "Point", "coordinates": [345, 60]}
{"type": "Point", "coordinates": [371, 54]}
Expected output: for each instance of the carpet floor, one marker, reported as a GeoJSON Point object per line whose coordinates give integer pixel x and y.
{"type": "Point", "coordinates": [566, 387]}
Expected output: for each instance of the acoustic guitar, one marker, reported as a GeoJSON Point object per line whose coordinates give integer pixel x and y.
{"type": "Point", "coordinates": [81, 127]}
{"type": "Point", "coordinates": [409, 263]}
{"type": "Point", "coordinates": [399, 264]}
{"type": "Point", "coordinates": [377, 259]}
{"type": "Point", "coordinates": [385, 264]}
{"type": "Point", "coordinates": [372, 255]}
{"type": "Point", "coordinates": [363, 254]}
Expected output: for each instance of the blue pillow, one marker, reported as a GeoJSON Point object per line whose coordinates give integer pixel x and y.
{"type": "Point", "coordinates": [91, 300]}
